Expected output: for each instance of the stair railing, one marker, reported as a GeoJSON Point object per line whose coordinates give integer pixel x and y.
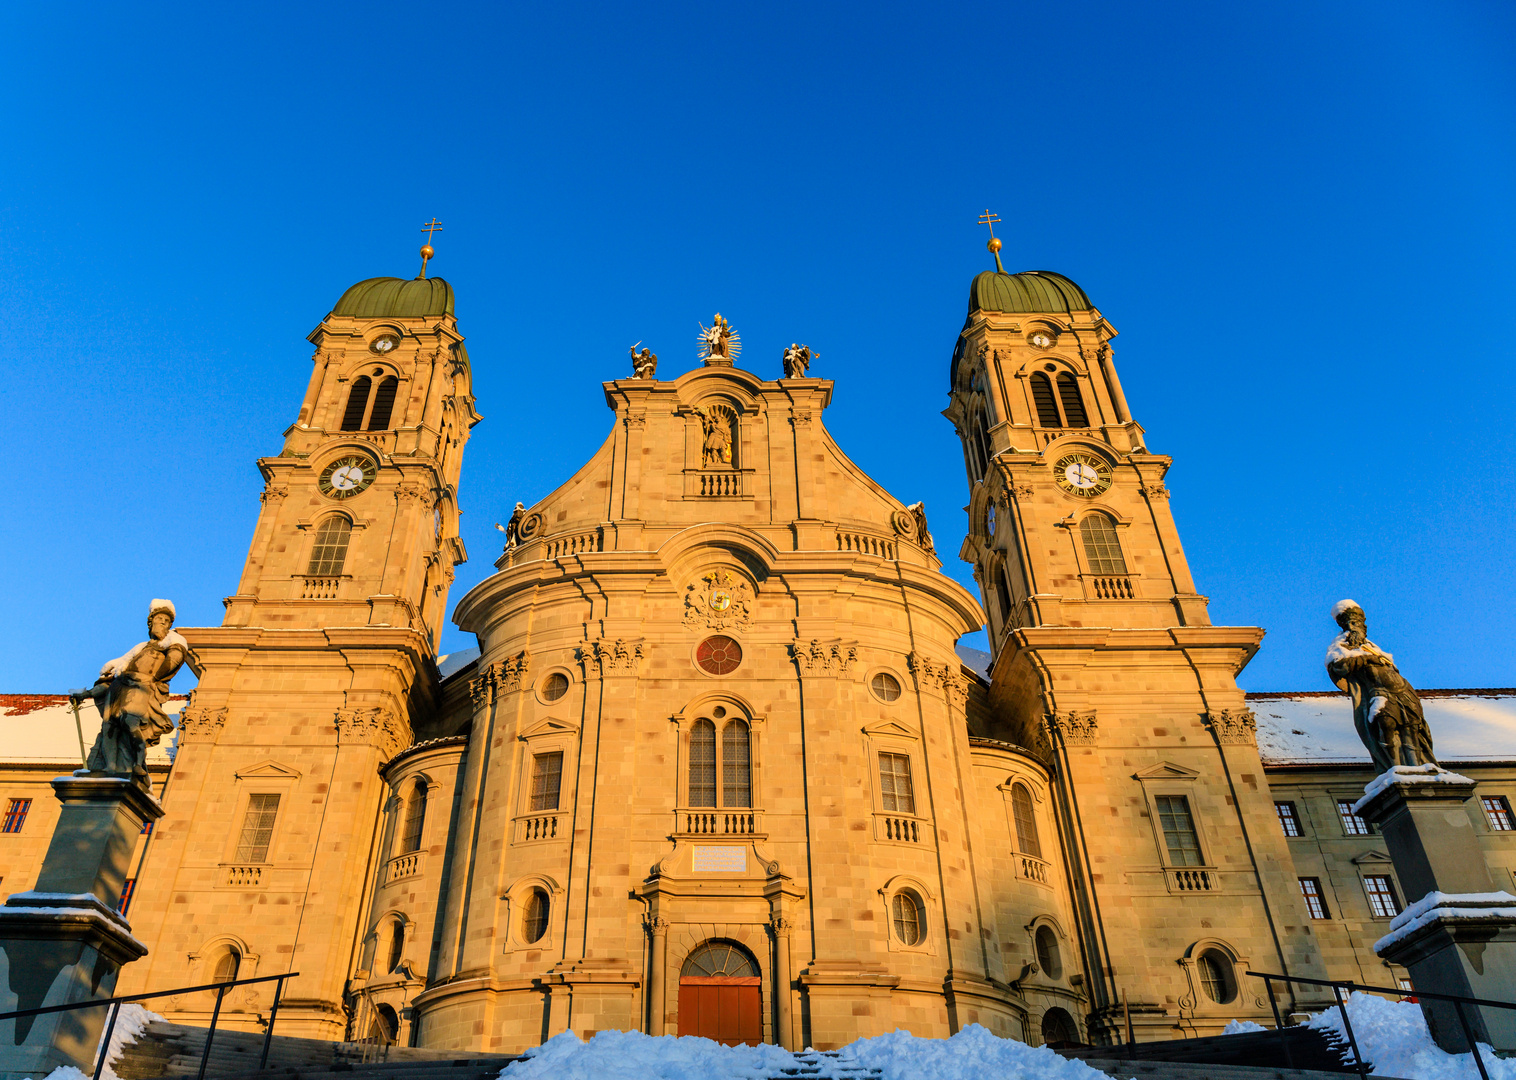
{"type": "Point", "coordinates": [1339, 985]}
{"type": "Point", "coordinates": [103, 1051]}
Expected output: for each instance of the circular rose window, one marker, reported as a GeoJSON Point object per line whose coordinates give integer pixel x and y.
{"type": "Point", "coordinates": [718, 655]}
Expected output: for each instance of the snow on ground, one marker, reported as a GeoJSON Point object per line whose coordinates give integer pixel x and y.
{"type": "Point", "coordinates": [630, 1055]}
{"type": "Point", "coordinates": [131, 1022]}
{"type": "Point", "coordinates": [1394, 1036]}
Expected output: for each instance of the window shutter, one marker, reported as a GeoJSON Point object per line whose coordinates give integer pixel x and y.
{"type": "Point", "coordinates": [1042, 397]}
{"type": "Point", "coordinates": [357, 404]}
{"type": "Point", "coordinates": [1073, 401]}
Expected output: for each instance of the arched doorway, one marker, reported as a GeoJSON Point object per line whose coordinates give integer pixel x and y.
{"type": "Point", "coordinates": [1059, 1030]}
{"type": "Point", "coordinates": [720, 996]}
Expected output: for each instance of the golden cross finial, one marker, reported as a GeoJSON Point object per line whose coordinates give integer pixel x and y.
{"type": "Point", "coordinates": [989, 219]}
{"type": "Point", "coordinates": [427, 251]}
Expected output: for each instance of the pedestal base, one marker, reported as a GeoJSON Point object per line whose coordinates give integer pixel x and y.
{"type": "Point", "coordinates": [1460, 944]}
{"type": "Point", "coordinates": [64, 942]}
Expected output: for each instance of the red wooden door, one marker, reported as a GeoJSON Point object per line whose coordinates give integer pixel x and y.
{"type": "Point", "coordinates": [726, 1008]}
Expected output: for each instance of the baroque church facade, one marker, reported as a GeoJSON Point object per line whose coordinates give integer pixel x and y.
{"type": "Point", "coordinates": [717, 767]}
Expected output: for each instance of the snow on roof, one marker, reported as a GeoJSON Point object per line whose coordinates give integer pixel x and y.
{"type": "Point", "coordinates": [39, 729]}
{"type": "Point", "coordinates": [1317, 728]}
{"type": "Point", "coordinates": [450, 663]}
{"type": "Point", "coordinates": [976, 659]}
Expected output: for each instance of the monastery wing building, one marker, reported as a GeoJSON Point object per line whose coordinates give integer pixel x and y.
{"type": "Point", "coordinates": [717, 767]}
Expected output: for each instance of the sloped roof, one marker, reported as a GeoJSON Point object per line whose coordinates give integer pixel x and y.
{"type": "Point", "coordinates": [1317, 728]}
{"type": "Point", "coordinates": [1029, 292]}
{"type": "Point", "coordinates": [38, 729]}
{"type": "Point", "coordinates": [396, 298]}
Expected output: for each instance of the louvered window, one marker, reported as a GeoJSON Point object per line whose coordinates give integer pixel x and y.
{"type": "Point", "coordinates": [703, 764]}
{"type": "Point", "coordinates": [415, 819]}
{"type": "Point", "coordinates": [257, 828]}
{"type": "Point", "coordinates": [736, 765]}
{"type": "Point", "coordinates": [384, 404]}
{"type": "Point", "coordinates": [330, 550]}
{"type": "Point", "coordinates": [1073, 403]}
{"type": "Point", "coordinates": [1101, 547]}
{"type": "Point", "coordinates": [1042, 397]}
{"type": "Point", "coordinates": [1179, 830]}
{"type": "Point", "coordinates": [1027, 841]}
{"type": "Point", "coordinates": [357, 403]}
{"type": "Point", "coordinates": [895, 784]}
{"type": "Point", "coordinates": [547, 780]}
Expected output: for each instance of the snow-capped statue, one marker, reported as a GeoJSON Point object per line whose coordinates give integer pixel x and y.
{"type": "Point", "coordinates": [130, 693]}
{"type": "Point", "coordinates": [1386, 710]}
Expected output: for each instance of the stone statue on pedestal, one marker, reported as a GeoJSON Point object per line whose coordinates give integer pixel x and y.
{"type": "Point", "coordinates": [1386, 710]}
{"type": "Point", "coordinates": [130, 693]}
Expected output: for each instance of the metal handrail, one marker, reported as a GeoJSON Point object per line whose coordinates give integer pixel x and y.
{"type": "Point", "coordinates": [1339, 985]}
{"type": "Point", "coordinates": [221, 988]}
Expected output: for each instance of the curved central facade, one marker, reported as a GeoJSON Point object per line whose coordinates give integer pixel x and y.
{"type": "Point", "coordinates": [718, 704]}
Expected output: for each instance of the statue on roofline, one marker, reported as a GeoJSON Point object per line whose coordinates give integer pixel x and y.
{"type": "Point", "coordinates": [797, 361]}
{"type": "Point", "coordinates": [644, 363]}
{"type": "Point", "coordinates": [130, 693]}
{"type": "Point", "coordinates": [1386, 710]}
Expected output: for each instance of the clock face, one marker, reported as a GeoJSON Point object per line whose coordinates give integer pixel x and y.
{"type": "Point", "coordinates": [1042, 339]}
{"type": "Point", "coordinates": [384, 343]}
{"type": "Point", "coordinates": [346, 477]}
{"type": "Point", "coordinates": [1085, 475]}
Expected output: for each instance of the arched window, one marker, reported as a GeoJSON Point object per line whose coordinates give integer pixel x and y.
{"type": "Point", "coordinates": [703, 764]}
{"type": "Point", "coordinates": [357, 404]}
{"type": "Point", "coordinates": [330, 550]}
{"type": "Point", "coordinates": [719, 959]}
{"type": "Point", "coordinates": [908, 917]}
{"type": "Point", "coordinates": [386, 1024]}
{"type": "Point", "coordinates": [1216, 977]}
{"type": "Point", "coordinates": [736, 765]}
{"type": "Point", "coordinates": [1026, 822]}
{"type": "Point", "coordinates": [1049, 959]}
{"type": "Point", "coordinates": [384, 404]}
{"type": "Point", "coordinates": [1068, 393]}
{"type": "Point", "coordinates": [1042, 397]}
{"type": "Point", "coordinates": [415, 819]}
{"type": "Point", "coordinates": [1101, 547]}
{"type": "Point", "coordinates": [397, 945]}
{"type": "Point", "coordinates": [227, 965]}
{"type": "Point", "coordinates": [1003, 594]}
{"type": "Point", "coordinates": [1058, 1029]}
{"type": "Point", "coordinates": [534, 918]}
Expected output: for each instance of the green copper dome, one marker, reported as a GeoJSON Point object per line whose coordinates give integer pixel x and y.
{"type": "Point", "coordinates": [1029, 292]}
{"type": "Point", "coordinates": [396, 298]}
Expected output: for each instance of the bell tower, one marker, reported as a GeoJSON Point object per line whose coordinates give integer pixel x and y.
{"type": "Point", "coordinates": [1105, 665]}
{"type": "Point", "coordinates": [323, 668]}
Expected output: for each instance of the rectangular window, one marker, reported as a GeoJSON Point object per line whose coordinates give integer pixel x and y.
{"type": "Point", "coordinates": [1382, 900]}
{"type": "Point", "coordinates": [1498, 812]}
{"type": "Point", "coordinates": [547, 778]}
{"type": "Point", "coordinates": [1352, 824]}
{"type": "Point", "coordinates": [126, 895]}
{"type": "Point", "coordinates": [257, 828]}
{"type": "Point", "coordinates": [1405, 984]}
{"type": "Point", "coordinates": [1315, 903]}
{"type": "Point", "coordinates": [895, 784]}
{"type": "Point", "coordinates": [15, 815]}
{"type": "Point", "coordinates": [1179, 830]}
{"type": "Point", "coordinates": [1289, 821]}
{"type": "Point", "coordinates": [147, 828]}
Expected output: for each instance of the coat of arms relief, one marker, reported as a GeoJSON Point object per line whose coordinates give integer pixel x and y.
{"type": "Point", "coordinates": [719, 599]}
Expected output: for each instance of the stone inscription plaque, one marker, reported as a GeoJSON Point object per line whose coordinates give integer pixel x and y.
{"type": "Point", "coordinates": [705, 860]}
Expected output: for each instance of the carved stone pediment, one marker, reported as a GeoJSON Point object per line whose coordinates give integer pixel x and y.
{"type": "Point", "coordinates": [720, 599]}
{"type": "Point", "coordinates": [1166, 770]}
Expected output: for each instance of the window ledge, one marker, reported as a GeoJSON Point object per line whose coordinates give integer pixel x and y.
{"type": "Point", "coordinates": [403, 866]}
{"type": "Point", "coordinates": [902, 829]}
{"type": "Point", "coordinates": [539, 827]}
{"type": "Point", "coordinates": [1192, 879]}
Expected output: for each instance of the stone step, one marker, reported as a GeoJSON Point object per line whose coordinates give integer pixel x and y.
{"type": "Point", "coordinates": [1197, 1070]}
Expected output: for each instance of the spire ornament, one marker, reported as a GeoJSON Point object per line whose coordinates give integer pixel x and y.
{"type": "Point", "coordinates": [990, 219]}
{"type": "Point", "coordinates": [427, 251]}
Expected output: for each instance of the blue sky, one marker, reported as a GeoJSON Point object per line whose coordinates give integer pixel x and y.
{"type": "Point", "coordinates": [1299, 216]}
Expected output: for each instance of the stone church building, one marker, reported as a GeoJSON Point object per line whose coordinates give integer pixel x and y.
{"type": "Point", "coordinates": [717, 767]}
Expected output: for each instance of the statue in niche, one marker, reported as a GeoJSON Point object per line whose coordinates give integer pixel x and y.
{"type": "Point", "coordinates": [130, 693]}
{"type": "Point", "coordinates": [797, 361]}
{"type": "Point", "coordinates": [719, 343]}
{"type": "Point", "coordinates": [1386, 710]}
{"type": "Point", "coordinates": [716, 424]}
{"type": "Point", "coordinates": [644, 363]}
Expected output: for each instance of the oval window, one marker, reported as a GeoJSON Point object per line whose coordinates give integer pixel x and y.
{"type": "Point", "coordinates": [906, 914]}
{"type": "Point", "coordinates": [534, 919]}
{"type": "Point", "coordinates": [555, 686]}
{"type": "Point", "coordinates": [1216, 977]}
{"type": "Point", "coordinates": [885, 686]}
{"type": "Point", "coordinates": [1048, 957]}
{"type": "Point", "coordinates": [718, 655]}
